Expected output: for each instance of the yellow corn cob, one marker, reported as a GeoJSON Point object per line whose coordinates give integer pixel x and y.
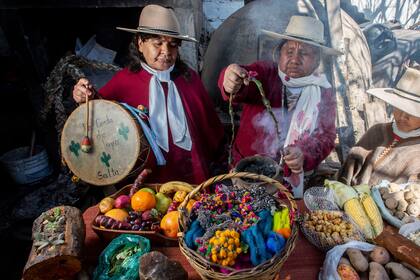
{"type": "Point", "coordinates": [372, 212]}
{"type": "Point", "coordinates": [355, 211]}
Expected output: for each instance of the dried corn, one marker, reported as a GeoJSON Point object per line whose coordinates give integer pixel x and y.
{"type": "Point", "coordinates": [372, 212]}
{"type": "Point", "coordinates": [354, 209]}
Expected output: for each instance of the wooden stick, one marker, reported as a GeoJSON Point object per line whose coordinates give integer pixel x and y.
{"type": "Point", "coordinates": [87, 116]}
{"type": "Point", "coordinates": [86, 144]}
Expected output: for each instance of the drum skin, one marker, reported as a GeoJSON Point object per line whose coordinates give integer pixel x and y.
{"type": "Point", "coordinates": [119, 146]}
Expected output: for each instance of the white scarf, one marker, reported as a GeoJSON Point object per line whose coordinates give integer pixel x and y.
{"type": "Point", "coordinates": [402, 134]}
{"type": "Point", "coordinates": [161, 112]}
{"type": "Point", "coordinates": [305, 115]}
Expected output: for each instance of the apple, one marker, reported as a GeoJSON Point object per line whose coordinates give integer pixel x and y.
{"type": "Point", "coordinates": [152, 191]}
{"type": "Point", "coordinates": [162, 202]}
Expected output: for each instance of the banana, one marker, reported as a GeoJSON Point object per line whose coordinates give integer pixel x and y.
{"type": "Point", "coordinates": [174, 186]}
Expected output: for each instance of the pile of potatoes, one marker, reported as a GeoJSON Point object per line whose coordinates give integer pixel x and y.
{"type": "Point", "coordinates": [375, 265]}
{"type": "Point", "coordinates": [403, 204]}
{"type": "Point", "coordinates": [325, 229]}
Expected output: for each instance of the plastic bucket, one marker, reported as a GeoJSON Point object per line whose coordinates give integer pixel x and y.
{"type": "Point", "coordinates": [24, 169]}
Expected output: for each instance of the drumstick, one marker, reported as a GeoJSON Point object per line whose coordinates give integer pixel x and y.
{"type": "Point", "coordinates": [86, 145]}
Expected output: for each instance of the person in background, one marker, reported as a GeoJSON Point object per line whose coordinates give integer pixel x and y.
{"type": "Point", "coordinates": [182, 115]}
{"type": "Point", "coordinates": [389, 151]}
{"type": "Point", "coordinates": [292, 83]}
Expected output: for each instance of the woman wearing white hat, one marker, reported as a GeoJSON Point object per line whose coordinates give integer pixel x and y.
{"type": "Point", "coordinates": [291, 83]}
{"type": "Point", "coordinates": [182, 115]}
{"type": "Point", "coordinates": [389, 151]}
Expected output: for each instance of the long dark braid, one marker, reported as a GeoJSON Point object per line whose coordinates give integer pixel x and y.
{"type": "Point", "coordinates": [135, 57]}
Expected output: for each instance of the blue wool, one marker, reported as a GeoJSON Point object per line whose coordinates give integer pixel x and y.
{"type": "Point", "coordinates": [262, 253]}
{"type": "Point", "coordinates": [275, 243]}
{"type": "Point", "coordinates": [247, 236]}
{"type": "Point", "coordinates": [265, 223]}
{"type": "Point", "coordinates": [195, 231]}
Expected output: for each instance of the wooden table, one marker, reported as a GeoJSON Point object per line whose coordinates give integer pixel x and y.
{"type": "Point", "coordinates": [304, 262]}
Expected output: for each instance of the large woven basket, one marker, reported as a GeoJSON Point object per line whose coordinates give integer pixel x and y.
{"type": "Point", "coordinates": [264, 271]}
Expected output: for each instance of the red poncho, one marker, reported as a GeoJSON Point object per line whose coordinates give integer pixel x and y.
{"type": "Point", "coordinates": [204, 125]}
{"type": "Point", "coordinates": [315, 148]}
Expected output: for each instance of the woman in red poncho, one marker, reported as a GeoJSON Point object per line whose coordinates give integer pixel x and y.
{"type": "Point", "coordinates": [301, 98]}
{"type": "Point", "coordinates": [182, 115]}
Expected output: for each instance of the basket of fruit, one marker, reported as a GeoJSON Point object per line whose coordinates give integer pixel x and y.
{"type": "Point", "coordinates": [326, 229]}
{"type": "Point", "coordinates": [237, 231]}
{"type": "Point", "coordinates": [143, 209]}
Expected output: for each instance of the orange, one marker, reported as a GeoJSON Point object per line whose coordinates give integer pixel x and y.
{"type": "Point", "coordinates": [117, 214]}
{"type": "Point", "coordinates": [142, 201]}
{"type": "Point", "coordinates": [169, 224]}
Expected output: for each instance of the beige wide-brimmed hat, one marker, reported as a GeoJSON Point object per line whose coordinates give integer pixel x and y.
{"type": "Point", "coordinates": [406, 94]}
{"type": "Point", "coordinates": [155, 19]}
{"type": "Point", "coordinates": [305, 29]}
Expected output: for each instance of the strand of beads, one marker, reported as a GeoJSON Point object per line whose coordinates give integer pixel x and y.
{"type": "Point", "coordinates": [386, 151]}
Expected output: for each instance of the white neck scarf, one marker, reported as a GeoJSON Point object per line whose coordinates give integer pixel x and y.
{"type": "Point", "coordinates": [161, 112]}
{"type": "Point", "coordinates": [305, 115]}
{"type": "Point", "coordinates": [304, 118]}
{"type": "Point", "coordinates": [405, 135]}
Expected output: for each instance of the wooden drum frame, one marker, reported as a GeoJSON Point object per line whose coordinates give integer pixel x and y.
{"type": "Point", "coordinates": [119, 146]}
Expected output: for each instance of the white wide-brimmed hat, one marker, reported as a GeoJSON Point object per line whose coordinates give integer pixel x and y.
{"type": "Point", "coordinates": [305, 29]}
{"type": "Point", "coordinates": [155, 19]}
{"type": "Point", "coordinates": [406, 94]}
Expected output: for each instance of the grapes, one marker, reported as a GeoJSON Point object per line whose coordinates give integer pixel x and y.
{"type": "Point", "coordinates": [147, 220]}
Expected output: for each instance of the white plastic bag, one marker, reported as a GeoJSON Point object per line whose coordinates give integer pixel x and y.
{"type": "Point", "coordinates": [320, 198]}
{"type": "Point", "coordinates": [329, 269]}
{"type": "Point", "coordinates": [410, 228]}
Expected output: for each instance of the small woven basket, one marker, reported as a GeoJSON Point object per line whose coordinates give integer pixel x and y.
{"type": "Point", "coordinates": [264, 271]}
{"type": "Point", "coordinates": [325, 244]}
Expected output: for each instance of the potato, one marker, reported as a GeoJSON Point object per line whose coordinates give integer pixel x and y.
{"type": "Point", "coordinates": [413, 210]}
{"type": "Point", "coordinates": [358, 261]}
{"type": "Point", "coordinates": [415, 188]}
{"type": "Point", "coordinates": [408, 195]}
{"type": "Point", "coordinates": [400, 214]}
{"type": "Point", "coordinates": [397, 195]}
{"type": "Point", "coordinates": [344, 260]}
{"type": "Point", "coordinates": [391, 203]}
{"type": "Point", "coordinates": [399, 271]}
{"type": "Point", "coordinates": [414, 201]}
{"type": "Point", "coordinates": [408, 219]}
{"type": "Point", "coordinates": [402, 205]}
{"type": "Point", "coordinates": [377, 272]}
{"type": "Point", "coordinates": [412, 268]}
{"type": "Point", "coordinates": [380, 255]}
{"type": "Point", "coordinates": [346, 272]}
{"type": "Point", "coordinates": [393, 187]}
{"type": "Point", "coordinates": [384, 191]}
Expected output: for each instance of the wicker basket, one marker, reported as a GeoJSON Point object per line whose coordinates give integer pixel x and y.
{"type": "Point", "coordinates": [325, 244]}
{"type": "Point", "coordinates": [264, 271]}
{"type": "Point", "coordinates": [155, 237]}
